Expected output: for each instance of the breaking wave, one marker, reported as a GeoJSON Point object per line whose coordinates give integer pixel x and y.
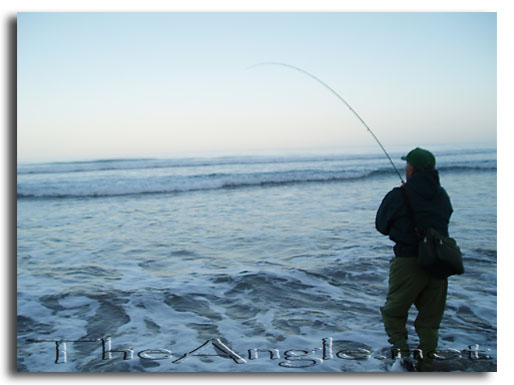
{"type": "Point", "coordinates": [106, 178]}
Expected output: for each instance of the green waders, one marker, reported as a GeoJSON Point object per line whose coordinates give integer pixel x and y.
{"type": "Point", "coordinates": [408, 285]}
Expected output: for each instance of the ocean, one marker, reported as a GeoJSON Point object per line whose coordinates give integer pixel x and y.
{"type": "Point", "coordinates": [248, 263]}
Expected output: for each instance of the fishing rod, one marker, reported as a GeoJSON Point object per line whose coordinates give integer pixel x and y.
{"type": "Point", "coordinates": [340, 98]}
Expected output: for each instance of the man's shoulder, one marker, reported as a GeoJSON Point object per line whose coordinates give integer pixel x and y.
{"type": "Point", "coordinates": [444, 192]}
{"type": "Point", "coordinates": [392, 197]}
{"type": "Point", "coordinates": [395, 192]}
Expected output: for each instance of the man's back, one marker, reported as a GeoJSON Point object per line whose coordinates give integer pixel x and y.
{"type": "Point", "coordinates": [431, 206]}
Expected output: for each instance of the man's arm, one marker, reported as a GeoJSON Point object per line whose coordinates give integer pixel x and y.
{"type": "Point", "coordinates": [386, 213]}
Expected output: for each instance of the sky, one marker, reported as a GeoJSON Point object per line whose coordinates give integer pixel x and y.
{"type": "Point", "coordinates": [111, 85]}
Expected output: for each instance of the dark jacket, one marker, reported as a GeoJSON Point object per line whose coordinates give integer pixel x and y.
{"type": "Point", "coordinates": [431, 206]}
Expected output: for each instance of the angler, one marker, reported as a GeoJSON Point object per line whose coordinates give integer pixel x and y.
{"type": "Point", "coordinates": [408, 283]}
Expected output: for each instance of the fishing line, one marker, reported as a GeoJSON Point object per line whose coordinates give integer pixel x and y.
{"type": "Point", "coordinates": [340, 98]}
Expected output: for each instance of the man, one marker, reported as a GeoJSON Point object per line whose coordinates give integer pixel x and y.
{"type": "Point", "coordinates": [408, 284]}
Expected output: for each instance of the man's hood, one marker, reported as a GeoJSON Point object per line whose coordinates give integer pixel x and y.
{"type": "Point", "coordinates": [424, 183]}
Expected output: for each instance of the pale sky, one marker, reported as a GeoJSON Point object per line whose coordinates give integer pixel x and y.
{"type": "Point", "coordinates": [107, 85]}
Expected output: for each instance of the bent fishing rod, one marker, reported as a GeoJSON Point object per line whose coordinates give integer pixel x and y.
{"type": "Point", "coordinates": [340, 98]}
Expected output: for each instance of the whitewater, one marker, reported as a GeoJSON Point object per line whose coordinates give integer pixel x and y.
{"type": "Point", "coordinates": [251, 263]}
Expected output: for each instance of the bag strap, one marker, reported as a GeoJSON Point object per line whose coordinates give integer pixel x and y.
{"type": "Point", "coordinates": [410, 212]}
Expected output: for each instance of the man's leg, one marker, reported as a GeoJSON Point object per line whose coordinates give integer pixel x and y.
{"type": "Point", "coordinates": [406, 281]}
{"type": "Point", "coordinates": [430, 303]}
